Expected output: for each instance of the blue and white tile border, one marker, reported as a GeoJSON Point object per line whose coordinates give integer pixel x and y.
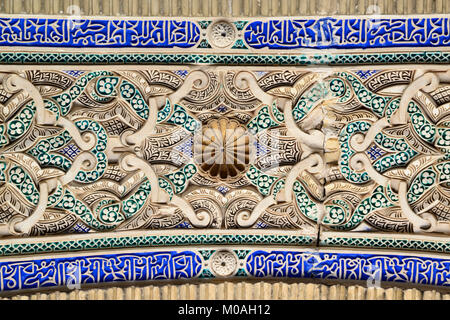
{"type": "Point", "coordinates": [70, 271]}
{"type": "Point", "coordinates": [239, 35]}
{"type": "Point", "coordinates": [60, 262]}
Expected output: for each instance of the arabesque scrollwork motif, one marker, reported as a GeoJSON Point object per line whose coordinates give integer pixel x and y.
{"type": "Point", "coordinates": [343, 150]}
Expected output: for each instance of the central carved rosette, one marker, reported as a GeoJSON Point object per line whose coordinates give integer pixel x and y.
{"type": "Point", "coordinates": [223, 149]}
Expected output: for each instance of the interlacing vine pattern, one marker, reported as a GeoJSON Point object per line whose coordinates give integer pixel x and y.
{"type": "Point", "coordinates": [355, 150]}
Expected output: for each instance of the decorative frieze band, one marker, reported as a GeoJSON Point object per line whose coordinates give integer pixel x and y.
{"type": "Point", "coordinates": [75, 272]}
{"type": "Point", "coordinates": [224, 160]}
{"type": "Point", "coordinates": [263, 35]}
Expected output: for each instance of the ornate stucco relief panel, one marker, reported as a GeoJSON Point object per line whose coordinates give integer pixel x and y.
{"type": "Point", "coordinates": [353, 150]}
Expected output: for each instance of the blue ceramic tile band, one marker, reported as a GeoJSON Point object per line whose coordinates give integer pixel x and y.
{"type": "Point", "coordinates": [170, 265]}
{"type": "Point", "coordinates": [320, 33]}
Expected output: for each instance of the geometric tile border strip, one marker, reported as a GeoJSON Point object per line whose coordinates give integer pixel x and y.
{"type": "Point", "coordinates": [123, 240]}
{"type": "Point", "coordinates": [75, 271]}
{"type": "Point", "coordinates": [386, 242]}
{"type": "Point", "coordinates": [149, 239]}
{"type": "Point", "coordinates": [335, 59]}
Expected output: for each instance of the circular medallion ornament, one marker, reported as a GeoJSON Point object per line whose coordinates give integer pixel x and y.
{"type": "Point", "coordinates": [222, 34]}
{"type": "Point", "coordinates": [224, 263]}
{"type": "Point", "coordinates": [223, 150]}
